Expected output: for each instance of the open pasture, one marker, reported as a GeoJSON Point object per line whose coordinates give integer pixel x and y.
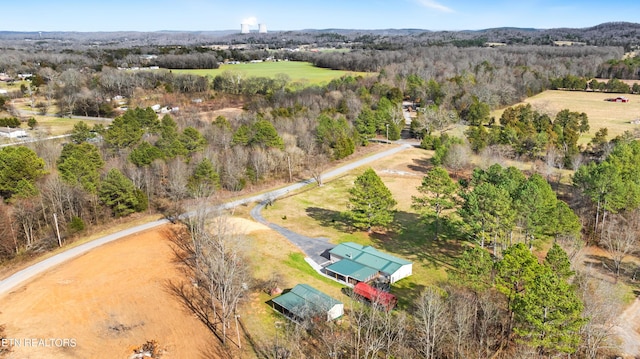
{"type": "Point", "coordinates": [303, 72]}
{"type": "Point", "coordinates": [615, 116]}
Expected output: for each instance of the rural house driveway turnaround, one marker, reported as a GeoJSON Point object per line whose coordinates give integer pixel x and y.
{"type": "Point", "coordinates": [38, 268]}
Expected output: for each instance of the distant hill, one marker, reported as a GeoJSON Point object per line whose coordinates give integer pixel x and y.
{"type": "Point", "coordinates": [624, 34]}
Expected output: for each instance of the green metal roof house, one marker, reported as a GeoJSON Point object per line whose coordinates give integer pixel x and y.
{"type": "Point", "coordinates": [305, 302]}
{"type": "Point", "coordinates": [348, 271]}
{"type": "Point", "coordinates": [386, 265]}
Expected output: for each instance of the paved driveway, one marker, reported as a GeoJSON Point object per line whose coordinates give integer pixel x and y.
{"type": "Point", "coordinates": [312, 247]}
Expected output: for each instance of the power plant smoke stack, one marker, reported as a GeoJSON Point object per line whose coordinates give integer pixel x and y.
{"type": "Point", "coordinates": [262, 28]}
{"type": "Point", "coordinates": [244, 28]}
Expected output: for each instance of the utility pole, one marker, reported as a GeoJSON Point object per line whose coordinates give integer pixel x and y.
{"type": "Point", "coordinates": [387, 133]}
{"type": "Point", "coordinates": [55, 219]}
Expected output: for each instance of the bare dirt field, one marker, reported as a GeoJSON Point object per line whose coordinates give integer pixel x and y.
{"type": "Point", "coordinates": [107, 302]}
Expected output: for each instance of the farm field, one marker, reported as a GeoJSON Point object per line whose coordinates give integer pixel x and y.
{"type": "Point", "coordinates": [303, 72]}
{"type": "Point", "coordinates": [615, 116]}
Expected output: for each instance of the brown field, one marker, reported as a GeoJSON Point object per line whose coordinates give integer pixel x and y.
{"type": "Point", "coordinates": [616, 117]}
{"type": "Point", "coordinates": [109, 301]}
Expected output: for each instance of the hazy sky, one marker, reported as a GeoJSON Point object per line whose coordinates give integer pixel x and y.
{"type": "Point", "coordinates": [194, 15]}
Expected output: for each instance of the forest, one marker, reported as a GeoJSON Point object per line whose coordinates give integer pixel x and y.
{"type": "Point", "coordinates": [502, 293]}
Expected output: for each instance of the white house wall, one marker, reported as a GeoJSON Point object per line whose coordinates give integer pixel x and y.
{"type": "Point", "coordinates": [335, 312]}
{"type": "Point", "coordinates": [403, 272]}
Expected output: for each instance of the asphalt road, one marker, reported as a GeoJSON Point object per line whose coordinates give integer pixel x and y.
{"type": "Point", "coordinates": [20, 277]}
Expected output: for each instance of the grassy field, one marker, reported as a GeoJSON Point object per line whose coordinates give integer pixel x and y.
{"type": "Point", "coordinates": [615, 116]}
{"type": "Point", "coordinates": [297, 71]}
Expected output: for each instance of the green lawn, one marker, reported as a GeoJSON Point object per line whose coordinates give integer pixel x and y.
{"type": "Point", "coordinates": [303, 72]}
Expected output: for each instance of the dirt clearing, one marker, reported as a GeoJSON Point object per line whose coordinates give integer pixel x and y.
{"type": "Point", "coordinates": [105, 303]}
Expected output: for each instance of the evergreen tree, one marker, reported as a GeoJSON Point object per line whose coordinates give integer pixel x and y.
{"type": "Point", "coordinates": [80, 164]}
{"type": "Point", "coordinates": [486, 209]}
{"type": "Point", "coordinates": [192, 140]}
{"type": "Point", "coordinates": [20, 167]}
{"type": "Point", "coordinates": [119, 193]}
{"type": "Point", "coordinates": [265, 135]}
{"type": "Point", "coordinates": [549, 314]}
{"type": "Point", "coordinates": [365, 124]}
{"type": "Point", "coordinates": [438, 191]}
{"type": "Point", "coordinates": [169, 142]}
{"type": "Point", "coordinates": [535, 203]}
{"type": "Point", "coordinates": [81, 133]}
{"type": "Point", "coordinates": [546, 313]}
{"type": "Point", "coordinates": [558, 261]}
{"type": "Point", "coordinates": [204, 180]}
{"type": "Point", "coordinates": [123, 134]}
{"type": "Point", "coordinates": [371, 202]}
{"type": "Point", "coordinates": [473, 269]}
{"type": "Point", "coordinates": [145, 154]}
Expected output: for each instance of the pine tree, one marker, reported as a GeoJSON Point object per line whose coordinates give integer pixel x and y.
{"type": "Point", "coordinates": [371, 202]}
{"type": "Point", "coordinates": [438, 190]}
{"type": "Point", "coordinates": [545, 310]}
{"type": "Point", "coordinates": [80, 164]}
{"type": "Point", "coordinates": [205, 180]}
{"type": "Point", "coordinates": [558, 261]}
{"type": "Point", "coordinates": [549, 314]}
{"type": "Point", "coordinates": [20, 167]}
{"type": "Point", "coordinates": [119, 193]}
{"type": "Point", "coordinates": [473, 269]}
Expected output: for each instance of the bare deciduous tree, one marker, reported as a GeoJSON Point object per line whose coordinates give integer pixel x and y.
{"type": "Point", "coordinates": [458, 157]}
{"type": "Point", "coordinates": [620, 238]}
{"type": "Point", "coordinates": [430, 322]}
{"type": "Point", "coordinates": [602, 308]}
{"type": "Point", "coordinates": [220, 265]}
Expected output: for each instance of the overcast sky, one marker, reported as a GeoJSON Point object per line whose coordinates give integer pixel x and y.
{"type": "Point", "coordinates": [208, 15]}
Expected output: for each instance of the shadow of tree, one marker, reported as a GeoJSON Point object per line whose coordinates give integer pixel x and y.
{"type": "Point", "coordinates": [330, 218]}
{"type": "Point", "coordinates": [412, 237]}
{"type": "Point", "coordinates": [421, 165]}
{"type": "Point", "coordinates": [408, 294]}
{"type": "Point", "coordinates": [629, 271]}
{"type": "Point", "coordinates": [196, 301]}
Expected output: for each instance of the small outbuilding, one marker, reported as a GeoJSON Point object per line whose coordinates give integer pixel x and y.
{"type": "Point", "coordinates": [305, 302]}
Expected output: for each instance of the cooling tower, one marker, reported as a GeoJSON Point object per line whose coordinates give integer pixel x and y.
{"type": "Point", "coordinates": [244, 28]}
{"type": "Point", "coordinates": [262, 28]}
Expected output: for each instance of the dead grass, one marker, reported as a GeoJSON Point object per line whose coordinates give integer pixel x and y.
{"type": "Point", "coordinates": [616, 117]}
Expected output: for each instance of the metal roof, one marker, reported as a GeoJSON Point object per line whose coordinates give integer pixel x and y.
{"type": "Point", "coordinates": [304, 301]}
{"type": "Point", "coordinates": [369, 256]}
{"type": "Point", "coordinates": [349, 268]}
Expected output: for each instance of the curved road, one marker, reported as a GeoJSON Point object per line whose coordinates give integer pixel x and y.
{"type": "Point", "coordinates": [21, 276]}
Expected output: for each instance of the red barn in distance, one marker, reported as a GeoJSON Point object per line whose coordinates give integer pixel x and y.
{"type": "Point", "coordinates": [617, 99]}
